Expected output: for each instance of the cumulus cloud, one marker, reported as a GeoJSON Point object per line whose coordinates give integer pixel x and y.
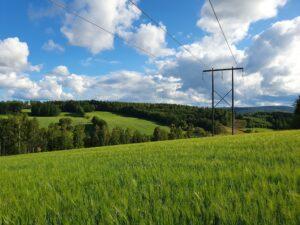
{"type": "Point", "coordinates": [236, 16]}
{"type": "Point", "coordinates": [274, 54]}
{"type": "Point", "coordinates": [51, 46]}
{"type": "Point", "coordinates": [115, 17]}
{"type": "Point", "coordinates": [150, 38]}
{"type": "Point", "coordinates": [133, 86]}
{"type": "Point", "coordinates": [14, 79]}
{"type": "Point", "coordinates": [62, 84]}
{"type": "Point", "coordinates": [61, 70]}
{"type": "Point", "coordinates": [189, 69]}
{"type": "Point", "coordinates": [13, 55]}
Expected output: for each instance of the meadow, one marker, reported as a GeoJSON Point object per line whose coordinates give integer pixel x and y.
{"type": "Point", "coordinates": [113, 120]}
{"type": "Point", "coordinates": [242, 179]}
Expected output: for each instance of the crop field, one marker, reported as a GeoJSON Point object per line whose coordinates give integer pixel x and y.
{"type": "Point", "coordinates": [244, 179]}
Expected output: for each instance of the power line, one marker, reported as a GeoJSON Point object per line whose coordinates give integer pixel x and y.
{"type": "Point", "coordinates": [213, 9]}
{"type": "Point", "coordinates": [166, 31]}
{"type": "Point", "coordinates": [59, 5]}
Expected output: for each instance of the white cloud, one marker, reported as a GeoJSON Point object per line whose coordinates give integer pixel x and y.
{"type": "Point", "coordinates": [150, 38]}
{"type": "Point", "coordinates": [13, 78]}
{"type": "Point", "coordinates": [50, 46]}
{"type": "Point", "coordinates": [61, 70]}
{"type": "Point", "coordinates": [275, 55]}
{"type": "Point", "coordinates": [13, 55]}
{"type": "Point", "coordinates": [236, 16]}
{"type": "Point", "coordinates": [133, 86]}
{"type": "Point", "coordinates": [115, 17]}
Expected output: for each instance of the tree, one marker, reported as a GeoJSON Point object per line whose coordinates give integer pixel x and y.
{"type": "Point", "coordinates": [296, 120]}
{"type": "Point", "coordinates": [33, 136]}
{"type": "Point", "coordinates": [103, 135]}
{"type": "Point", "coordinates": [97, 121]}
{"type": "Point", "coordinates": [175, 133]}
{"type": "Point", "coordinates": [115, 138]}
{"type": "Point", "coordinates": [199, 132]}
{"type": "Point", "coordinates": [137, 137]}
{"type": "Point", "coordinates": [159, 134]}
{"type": "Point", "coordinates": [44, 109]}
{"type": "Point", "coordinates": [60, 135]}
{"type": "Point", "coordinates": [53, 134]}
{"type": "Point", "coordinates": [66, 133]}
{"type": "Point", "coordinates": [78, 136]}
{"type": "Point", "coordinates": [126, 136]}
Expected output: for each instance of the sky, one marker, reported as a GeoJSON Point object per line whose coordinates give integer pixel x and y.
{"type": "Point", "coordinates": [47, 53]}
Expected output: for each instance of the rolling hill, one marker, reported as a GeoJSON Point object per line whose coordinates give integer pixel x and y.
{"type": "Point", "coordinates": [242, 179]}
{"type": "Point", "coordinates": [242, 110]}
{"type": "Point", "coordinates": [112, 119]}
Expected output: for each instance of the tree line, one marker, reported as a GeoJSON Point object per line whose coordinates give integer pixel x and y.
{"type": "Point", "coordinates": [19, 135]}
{"type": "Point", "coordinates": [272, 120]}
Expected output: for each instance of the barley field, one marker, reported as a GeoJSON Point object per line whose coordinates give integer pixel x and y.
{"type": "Point", "coordinates": [245, 179]}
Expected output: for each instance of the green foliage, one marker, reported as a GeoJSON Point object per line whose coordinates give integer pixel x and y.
{"type": "Point", "coordinates": [79, 136]}
{"type": "Point", "coordinates": [195, 132]}
{"type": "Point", "coordinates": [44, 109]}
{"type": "Point", "coordinates": [99, 122]}
{"type": "Point", "coordinates": [175, 133]}
{"type": "Point", "coordinates": [159, 134]}
{"type": "Point", "coordinates": [245, 179]}
{"type": "Point", "coordinates": [296, 119]}
{"type": "Point", "coordinates": [19, 135]}
{"type": "Point", "coordinates": [115, 138]}
{"type": "Point", "coordinates": [297, 106]}
{"type": "Point", "coordinates": [11, 107]}
{"type": "Point", "coordinates": [272, 120]}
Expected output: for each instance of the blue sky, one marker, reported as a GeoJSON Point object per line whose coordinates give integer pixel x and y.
{"type": "Point", "coordinates": [172, 75]}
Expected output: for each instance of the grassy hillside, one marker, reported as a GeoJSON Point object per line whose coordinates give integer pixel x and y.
{"type": "Point", "coordinates": [244, 179]}
{"type": "Point", "coordinates": [113, 120]}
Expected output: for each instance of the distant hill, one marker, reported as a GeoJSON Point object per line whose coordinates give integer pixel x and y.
{"type": "Point", "coordinates": [243, 110]}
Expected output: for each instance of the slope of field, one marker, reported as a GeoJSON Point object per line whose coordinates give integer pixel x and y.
{"type": "Point", "coordinates": [244, 179]}
{"type": "Point", "coordinates": [113, 120]}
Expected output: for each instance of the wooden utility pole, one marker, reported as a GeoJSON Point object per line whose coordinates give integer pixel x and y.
{"type": "Point", "coordinates": [213, 92]}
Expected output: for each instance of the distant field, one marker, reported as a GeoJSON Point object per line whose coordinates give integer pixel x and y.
{"type": "Point", "coordinates": [113, 120]}
{"type": "Point", "coordinates": [242, 179]}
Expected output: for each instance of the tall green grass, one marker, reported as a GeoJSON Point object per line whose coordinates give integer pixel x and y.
{"type": "Point", "coordinates": [245, 179]}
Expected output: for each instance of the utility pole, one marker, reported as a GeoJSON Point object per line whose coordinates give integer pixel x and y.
{"type": "Point", "coordinates": [213, 92]}
{"type": "Point", "coordinates": [232, 101]}
{"type": "Point", "coordinates": [213, 101]}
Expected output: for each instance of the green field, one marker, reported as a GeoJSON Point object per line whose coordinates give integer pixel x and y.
{"type": "Point", "coordinates": [242, 179]}
{"type": "Point", "coordinates": [113, 120]}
